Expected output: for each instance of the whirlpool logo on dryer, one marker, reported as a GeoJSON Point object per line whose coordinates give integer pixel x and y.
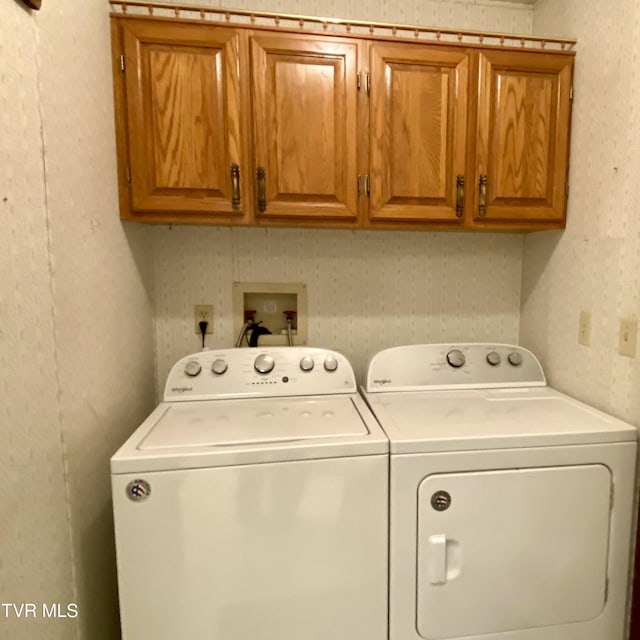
{"type": "Point", "coordinates": [382, 381]}
{"type": "Point", "coordinates": [181, 389]}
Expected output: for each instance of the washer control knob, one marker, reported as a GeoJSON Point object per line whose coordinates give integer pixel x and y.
{"type": "Point", "coordinates": [456, 358]}
{"type": "Point", "coordinates": [192, 368]}
{"type": "Point", "coordinates": [219, 367]}
{"type": "Point", "coordinates": [515, 359]}
{"type": "Point", "coordinates": [264, 363]}
{"type": "Point", "coordinates": [306, 363]}
{"type": "Point", "coordinates": [493, 358]}
{"type": "Point", "coordinates": [330, 363]}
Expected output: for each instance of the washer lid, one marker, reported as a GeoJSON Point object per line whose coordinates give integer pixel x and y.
{"type": "Point", "coordinates": [180, 435]}
{"type": "Point", "coordinates": [244, 422]}
{"type": "Point", "coordinates": [429, 421]}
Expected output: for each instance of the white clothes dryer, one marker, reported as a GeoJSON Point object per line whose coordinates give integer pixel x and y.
{"type": "Point", "coordinates": [510, 503]}
{"type": "Point", "coordinates": [253, 503]}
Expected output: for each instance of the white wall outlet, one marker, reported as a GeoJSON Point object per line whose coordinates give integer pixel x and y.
{"type": "Point", "coordinates": [628, 336]}
{"type": "Point", "coordinates": [584, 329]}
{"type": "Point", "coordinates": [203, 312]}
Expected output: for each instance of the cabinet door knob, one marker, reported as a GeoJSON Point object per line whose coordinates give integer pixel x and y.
{"type": "Point", "coordinates": [235, 186]}
{"type": "Point", "coordinates": [459, 195]}
{"type": "Point", "coordinates": [262, 190]}
{"type": "Point", "coordinates": [482, 205]}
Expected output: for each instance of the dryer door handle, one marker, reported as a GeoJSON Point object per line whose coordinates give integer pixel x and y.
{"type": "Point", "coordinates": [437, 559]}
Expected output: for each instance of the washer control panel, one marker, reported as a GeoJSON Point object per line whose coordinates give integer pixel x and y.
{"type": "Point", "coordinates": [248, 373]}
{"type": "Point", "coordinates": [451, 366]}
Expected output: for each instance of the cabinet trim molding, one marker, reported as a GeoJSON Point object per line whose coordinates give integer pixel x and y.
{"type": "Point", "coordinates": [338, 26]}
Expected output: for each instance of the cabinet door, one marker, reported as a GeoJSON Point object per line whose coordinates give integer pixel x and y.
{"type": "Point", "coordinates": [522, 137]}
{"type": "Point", "coordinates": [183, 120]}
{"type": "Point", "coordinates": [304, 100]}
{"type": "Point", "coordinates": [418, 132]}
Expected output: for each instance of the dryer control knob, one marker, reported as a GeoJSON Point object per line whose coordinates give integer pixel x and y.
{"type": "Point", "coordinates": [264, 363]}
{"type": "Point", "coordinates": [219, 367]}
{"type": "Point", "coordinates": [306, 363]}
{"type": "Point", "coordinates": [515, 359]}
{"type": "Point", "coordinates": [493, 358]}
{"type": "Point", "coordinates": [456, 358]}
{"type": "Point", "coordinates": [330, 364]}
{"type": "Point", "coordinates": [192, 368]}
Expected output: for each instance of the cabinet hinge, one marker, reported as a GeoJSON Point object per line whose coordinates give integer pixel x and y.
{"type": "Point", "coordinates": [571, 94]}
{"type": "Point", "coordinates": [122, 63]}
{"type": "Point", "coordinates": [129, 175]}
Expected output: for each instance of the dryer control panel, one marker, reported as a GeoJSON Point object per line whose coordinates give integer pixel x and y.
{"type": "Point", "coordinates": [453, 366]}
{"type": "Point", "coordinates": [250, 373]}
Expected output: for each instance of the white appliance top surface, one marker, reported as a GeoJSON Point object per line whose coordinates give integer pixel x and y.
{"type": "Point", "coordinates": [447, 397]}
{"type": "Point", "coordinates": [247, 422]}
{"type": "Point", "coordinates": [476, 419]}
{"type": "Point", "coordinates": [189, 435]}
{"type": "Point", "coordinates": [249, 406]}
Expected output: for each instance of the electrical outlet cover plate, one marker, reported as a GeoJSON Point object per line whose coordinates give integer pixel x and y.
{"type": "Point", "coordinates": [203, 312]}
{"type": "Point", "coordinates": [628, 337]}
{"type": "Point", "coordinates": [584, 329]}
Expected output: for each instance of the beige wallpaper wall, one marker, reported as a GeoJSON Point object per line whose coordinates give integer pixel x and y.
{"type": "Point", "coordinates": [368, 290]}
{"type": "Point", "coordinates": [35, 554]}
{"type": "Point", "coordinates": [76, 344]}
{"type": "Point", "coordinates": [595, 264]}
{"type": "Point", "coordinates": [102, 291]}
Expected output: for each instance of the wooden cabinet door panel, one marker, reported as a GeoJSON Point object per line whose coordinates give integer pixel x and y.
{"type": "Point", "coordinates": [304, 101]}
{"type": "Point", "coordinates": [419, 98]}
{"type": "Point", "coordinates": [184, 128]}
{"type": "Point", "coordinates": [522, 136]}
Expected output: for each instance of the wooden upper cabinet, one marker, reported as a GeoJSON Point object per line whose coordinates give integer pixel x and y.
{"type": "Point", "coordinates": [239, 124]}
{"type": "Point", "coordinates": [304, 98]}
{"type": "Point", "coordinates": [185, 138]}
{"type": "Point", "coordinates": [522, 138]}
{"type": "Point", "coordinates": [418, 121]}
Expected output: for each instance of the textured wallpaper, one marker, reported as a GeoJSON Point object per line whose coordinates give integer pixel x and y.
{"type": "Point", "coordinates": [595, 264]}
{"type": "Point", "coordinates": [76, 343]}
{"type": "Point", "coordinates": [367, 290]}
{"type": "Point", "coordinates": [101, 291]}
{"type": "Point", "coordinates": [35, 555]}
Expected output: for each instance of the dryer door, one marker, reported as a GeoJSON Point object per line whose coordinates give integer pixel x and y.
{"type": "Point", "coordinates": [514, 549]}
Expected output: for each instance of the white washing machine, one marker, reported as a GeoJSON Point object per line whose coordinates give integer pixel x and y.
{"type": "Point", "coordinates": [253, 503]}
{"type": "Point", "coordinates": [510, 503]}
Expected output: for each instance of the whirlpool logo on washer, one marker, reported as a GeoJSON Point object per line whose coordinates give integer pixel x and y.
{"type": "Point", "coordinates": [382, 381]}
{"type": "Point", "coordinates": [181, 389]}
{"type": "Point", "coordinates": [138, 490]}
